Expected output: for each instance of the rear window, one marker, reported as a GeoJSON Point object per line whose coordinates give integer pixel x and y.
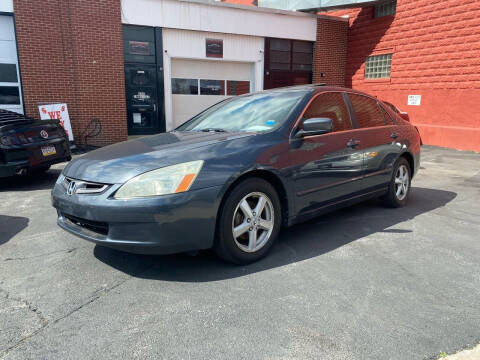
{"type": "Point", "coordinates": [367, 111]}
{"type": "Point", "coordinates": [386, 116]}
{"type": "Point", "coordinates": [10, 117]}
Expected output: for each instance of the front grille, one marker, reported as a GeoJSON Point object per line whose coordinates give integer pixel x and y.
{"type": "Point", "coordinates": [83, 187]}
{"type": "Point", "coordinates": [95, 226]}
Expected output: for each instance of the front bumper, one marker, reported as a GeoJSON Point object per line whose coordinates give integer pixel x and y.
{"type": "Point", "coordinates": [158, 225]}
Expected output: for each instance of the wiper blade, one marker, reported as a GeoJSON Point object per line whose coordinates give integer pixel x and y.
{"type": "Point", "coordinates": [213, 130]}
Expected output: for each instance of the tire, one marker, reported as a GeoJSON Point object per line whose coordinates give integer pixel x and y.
{"type": "Point", "coordinates": [255, 233]}
{"type": "Point", "coordinates": [396, 198]}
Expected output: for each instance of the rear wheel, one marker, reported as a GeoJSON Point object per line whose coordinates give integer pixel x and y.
{"type": "Point", "coordinates": [399, 187]}
{"type": "Point", "coordinates": [249, 222]}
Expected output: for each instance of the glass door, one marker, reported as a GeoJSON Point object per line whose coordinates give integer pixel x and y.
{"type": "Point", "coordinates": [10, 87]}
{"type": "Point", "coordinates": [143, 79]}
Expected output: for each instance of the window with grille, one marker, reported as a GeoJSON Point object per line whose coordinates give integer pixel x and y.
{"type": "Point", "coordinates": [290, 55]}
{"type": "Point", "coordinates": [386, 8]}
{"type": "Point", "coordinates": [378, 66]}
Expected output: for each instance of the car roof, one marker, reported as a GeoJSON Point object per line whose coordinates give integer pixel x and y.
{"type": "Point", "coordinates": [320, 87]}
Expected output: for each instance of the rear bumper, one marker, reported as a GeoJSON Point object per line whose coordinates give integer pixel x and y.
{"type": "Point", "coordinates": [161, 225]}
{"type": "Point", "coordinates": [15, 167]}
{"type": "Point", "coordinates": [27, 157]}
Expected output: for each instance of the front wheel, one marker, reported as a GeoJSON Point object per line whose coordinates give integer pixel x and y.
{"type": "Point", "coordinates": [399, 187]}
{"type": "Point", "coordinates": [249, 222]}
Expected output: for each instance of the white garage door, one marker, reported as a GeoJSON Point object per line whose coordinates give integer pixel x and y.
{"type": "Point", "coordinates": [10, 89]}
{"type": "Point", "coordinates": [198, 84]}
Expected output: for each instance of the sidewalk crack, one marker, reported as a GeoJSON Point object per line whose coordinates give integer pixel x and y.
{"type": "Point", "coordinates": [45, 323]}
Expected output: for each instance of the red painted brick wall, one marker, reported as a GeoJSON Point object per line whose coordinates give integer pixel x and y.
{"type": "Point", "coordinates": [436, 47]}
{"type": "Point", "coordinates": [71, 51]}
{"type": "Point", "coordinates": [330, 51]}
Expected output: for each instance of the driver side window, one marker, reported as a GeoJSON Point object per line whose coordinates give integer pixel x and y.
{"type": "Point", "coordinates": [330, 105]}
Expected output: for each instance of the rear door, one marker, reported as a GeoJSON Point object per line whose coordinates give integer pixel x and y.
{"type": "Point", "coordinates": [328, 167]}
{"type": "Point", "coordinates": [378, 137]}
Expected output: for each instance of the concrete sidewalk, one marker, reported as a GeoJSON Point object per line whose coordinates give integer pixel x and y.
{"type": "Point", "coordinates": [472, 354]}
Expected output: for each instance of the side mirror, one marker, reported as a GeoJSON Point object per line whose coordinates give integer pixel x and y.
{"type": "Point", "coordinates": [315, 126]}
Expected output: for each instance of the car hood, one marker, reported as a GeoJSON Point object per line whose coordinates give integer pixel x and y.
{"type": "Point", "coordinates": [118, 163]}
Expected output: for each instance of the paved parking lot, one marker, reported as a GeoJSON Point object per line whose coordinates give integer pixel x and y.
{"type": "Point", "coordinates": [362, 283]}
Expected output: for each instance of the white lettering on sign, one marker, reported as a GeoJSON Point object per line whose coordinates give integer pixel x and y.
{"type": "Point", "coordinates": [414, 100]}
{"type": "Point", "coordinates": [141, 96]}
{"type": "Point", "coordinates": [59, 112]}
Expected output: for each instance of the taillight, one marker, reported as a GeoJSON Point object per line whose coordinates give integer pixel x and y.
{"type": "Point", "coordinates": [22, 138]}
{"type": "Point", "coordinates": [8, 140]}
{"type": "Point", "coordinates": [404, 116]}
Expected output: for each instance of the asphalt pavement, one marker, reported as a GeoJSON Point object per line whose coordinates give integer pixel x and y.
{"type": "Point", "coordinates": [361, 283]}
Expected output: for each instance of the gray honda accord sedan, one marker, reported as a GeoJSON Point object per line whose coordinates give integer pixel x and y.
{"type": "Point", "coordinates": [232, 176]}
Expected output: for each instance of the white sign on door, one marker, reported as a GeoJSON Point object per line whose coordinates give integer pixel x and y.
{"type": "Point", "coordinates": [59, 112]}
{"type": "Point", "coordinates": [414, 100]}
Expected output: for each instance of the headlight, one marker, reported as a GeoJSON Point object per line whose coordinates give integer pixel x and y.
{"type": "Point", "coordinates": [168, 180]}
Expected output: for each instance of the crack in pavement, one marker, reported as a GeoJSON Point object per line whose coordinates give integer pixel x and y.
{"type": "Point", "coordinates": [46, 323]}
{"type": "Point", "coordinates": [28, 304]}
{"type": "Point", "coordinates": [66, 251]}
{"type": "Point", "coordinates": [43, 320]}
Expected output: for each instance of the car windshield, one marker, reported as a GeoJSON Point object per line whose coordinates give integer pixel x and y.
{"type": "Point", "coordinates": [253, 113]}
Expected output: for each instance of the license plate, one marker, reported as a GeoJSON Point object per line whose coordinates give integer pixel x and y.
{"type": "Point", "coordinates": [48, 150]}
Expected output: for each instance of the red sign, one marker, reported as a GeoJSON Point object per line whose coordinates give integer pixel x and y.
{"type": "Point", "coordinates": [59, 112]}
{"type": "Point", "coordinates": [214, 48]}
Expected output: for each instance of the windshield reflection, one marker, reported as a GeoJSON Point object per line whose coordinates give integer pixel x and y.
{"type": "Point", "coordinates": [253, 113]}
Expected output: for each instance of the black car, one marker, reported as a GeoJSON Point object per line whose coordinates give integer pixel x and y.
{"type": "Point", "coordinates": [28, 145]}
{"type": "Point", "coordinates": [233, 175]}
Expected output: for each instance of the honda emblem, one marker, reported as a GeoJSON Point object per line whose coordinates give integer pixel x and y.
{"type": "Point", "coordinates": [71, 188]}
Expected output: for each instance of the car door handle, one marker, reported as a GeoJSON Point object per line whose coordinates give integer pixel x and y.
{"type": "Point", "coordinates": [352, 143]}
{"type": "Point", "coordinates": [394, 135]}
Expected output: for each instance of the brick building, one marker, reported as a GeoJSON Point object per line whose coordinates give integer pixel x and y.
{"type": "Point", "coordinates": [434, 49]}
{"type": "Point", "coordinates": [431, 49]}
{"type": "Point", "coordinates": [143, 66]}
{"type": "Point", "coordinates": [71, 52]}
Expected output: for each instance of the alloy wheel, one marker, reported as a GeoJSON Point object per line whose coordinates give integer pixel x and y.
{"type": "Point", "coordinates": [253, 222]}
{"type": "Point", "coordinates": [402, 182]}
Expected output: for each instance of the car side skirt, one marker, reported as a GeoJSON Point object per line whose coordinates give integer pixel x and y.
{"type": "Point", "coordinates": [338, 205]}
